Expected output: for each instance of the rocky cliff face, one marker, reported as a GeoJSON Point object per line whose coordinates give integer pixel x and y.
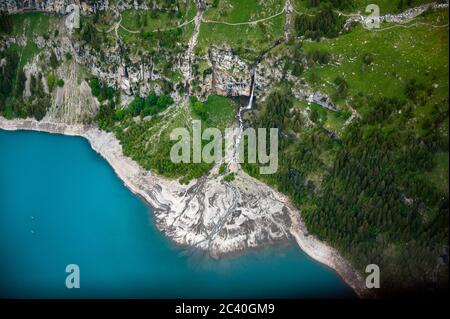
{"type": "Point", "coordinates": [226, 74]}
{"type": "Point", "coordinates": [86, 6]}
{"type": "Point", "coordinates": [54, 6]}
{"type": "Point", "coordinates": [111, 63]}
{"type": "Point", "coordinates": [230, 75]}
{"type": "Point", "coordinates": [403, 17]}
{"type": "Point", "coordinates": [73, 102]}
{"type": "Point", "coordinates": [220, 71]}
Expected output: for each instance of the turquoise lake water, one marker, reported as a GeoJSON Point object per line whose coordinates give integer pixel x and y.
{"type": "Point", "coordinates": [61, 203]}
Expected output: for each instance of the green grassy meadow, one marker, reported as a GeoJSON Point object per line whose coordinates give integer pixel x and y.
{"type": "Point", "coordinates": [247, 40]}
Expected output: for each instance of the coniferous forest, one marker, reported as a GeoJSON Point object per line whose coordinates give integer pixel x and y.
{"type": "Point", "coordinates": [374, 202]}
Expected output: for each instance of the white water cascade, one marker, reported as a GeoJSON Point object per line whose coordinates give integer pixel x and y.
{"type": "Point", "coordinates": [234, 159]}
{"type": "Point", "coordinates": [252, 93]}
{"type": "Point", "coordinates": [250, 102]}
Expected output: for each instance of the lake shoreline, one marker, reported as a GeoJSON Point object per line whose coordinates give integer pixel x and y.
{"type": "Point", "coordinates": [159, 194]}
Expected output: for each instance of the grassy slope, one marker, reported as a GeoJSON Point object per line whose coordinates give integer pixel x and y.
{"type": "Point", "coordinates": [29, 25]}
{"type": "Point", "coordinates": [420, 52]}
{"type": "Point", "coordinates": [138, 44]}
{"type": "Point", "coordinates": [386, 6]}
{"type": "Point", "coordinates": [31, 22]}
{"type": "Point", "coordinates": [161, 21]}
{"type": "Point", "coordinates": [250, 39]}
{"type": "Point", "coordinates": [149, 144]}
{"type": "Point", "coordinates": [333, 121]}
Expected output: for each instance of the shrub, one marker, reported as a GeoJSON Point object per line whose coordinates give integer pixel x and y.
{"type": "Point", "coordinates": [367, 58]}
{"type": "Point", "coordinates": [51, 82]}
{"type": "Point", "coordinates": [95, 87]}
{"type": "Point", "coordinates": [54, 63]}
{"type": "Point", "coordinates": [318, 56]}
{"type": "Point", "coordinates": [342, 87]}
{"type": "Point", "coordinates": [229, 178]}
{"type": "Point", "coordinates": [222, 169]}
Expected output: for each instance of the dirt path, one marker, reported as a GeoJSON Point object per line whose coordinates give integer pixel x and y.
{"type": "Point", "coordinates": [247, 22]}
{"type": "Point", "coordinates": [163, 29]}
{"type": "Point", "coordinates": [187, 65]}
{"type": "Point", "coordinates": [289, 9]}
{"type": "Point", "coordinates": [400, 19]}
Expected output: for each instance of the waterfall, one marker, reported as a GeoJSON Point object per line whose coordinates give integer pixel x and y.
{"type": "Point", "coordinates": [242, 109]}
{"type": "Point", "coordinates": [250, 102]}
{"type": "Point", "coordinates": [252, 92]}
{"type": "Point", "coordinates": [240, 119]}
